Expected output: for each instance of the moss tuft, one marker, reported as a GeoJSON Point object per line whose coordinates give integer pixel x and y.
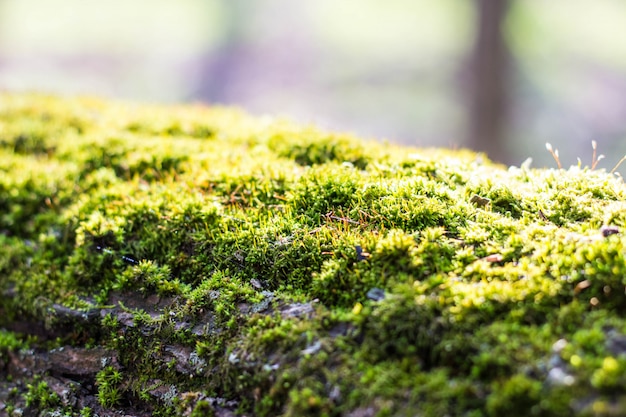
{"type": "Point", "coordinates": [197, 261]}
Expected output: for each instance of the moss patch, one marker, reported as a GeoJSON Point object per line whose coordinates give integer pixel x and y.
{"type": "Point", "coordinates": [204, 262]}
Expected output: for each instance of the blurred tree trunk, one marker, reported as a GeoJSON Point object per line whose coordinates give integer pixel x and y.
{"type": "Point", "coordinates": [489, 73]}
{"type": "Point", "coordinates": [220, 71]}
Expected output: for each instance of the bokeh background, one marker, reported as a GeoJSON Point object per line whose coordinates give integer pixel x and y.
{"type": "Point", "coordinates": [503, 77]}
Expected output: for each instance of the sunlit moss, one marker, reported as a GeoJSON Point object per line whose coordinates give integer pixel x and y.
{"type": "Point", "coordinates": [289, 271]}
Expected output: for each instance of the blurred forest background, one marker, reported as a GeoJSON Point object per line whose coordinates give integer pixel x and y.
{"type": "Point", "coordinates": [503, 77]}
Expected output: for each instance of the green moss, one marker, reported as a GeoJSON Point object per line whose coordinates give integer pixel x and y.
{"type": "Point", "coordinates": [39, 395]}
{"type": "Point", "coordinates": [10, 342]}
{"type": "Point", "coordinates": [109, 382]}
{"type": "Point", "coordinates": [259, 267]}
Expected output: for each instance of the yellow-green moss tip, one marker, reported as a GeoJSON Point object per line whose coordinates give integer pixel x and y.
{"type": "Point", "coordinates": [196, 260]}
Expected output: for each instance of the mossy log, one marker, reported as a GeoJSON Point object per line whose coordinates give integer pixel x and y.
{"type": "Point", "coordinates": [187, 260]}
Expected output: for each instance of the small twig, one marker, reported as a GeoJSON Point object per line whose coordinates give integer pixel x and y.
{"type": "Point", "coordinates": [618, 164]}
{"type": "Point", "coordinates": [555, 155]}
{"type": "Point", "coordinates": [594, 145]}
{"type": "Point", "coordinates": [343, 219]}
{"type": "Point", "coordinates": [330, 215]}
{"type": "Point", "coordinates": [595, 159]}
{"type": "Point", "coordinates": [600, 158]}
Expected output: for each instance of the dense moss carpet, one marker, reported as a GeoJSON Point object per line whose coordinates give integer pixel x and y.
{"type": "Point", "coordinates": [187, 260]}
